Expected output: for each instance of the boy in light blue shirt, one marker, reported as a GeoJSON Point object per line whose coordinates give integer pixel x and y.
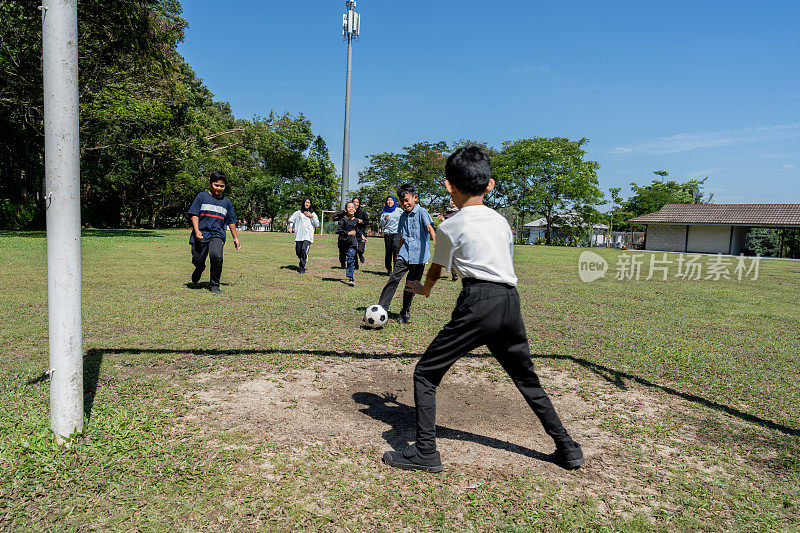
{"type": "Point", "coordinates": [416, 230]}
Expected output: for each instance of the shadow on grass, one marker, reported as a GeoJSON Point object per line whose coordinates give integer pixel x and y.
{"type": "Point", "coordinates": [376, 273]}
{"type": "Point", "coordinates": [143, 233]}
{"type": "Point", "coordinates": [36, 234]}
{"type": "Point", "coordinates": [402, 420]}
{"type": "Point", "coordinates": [92, 362]}
{"type": "Point", "coordinates": [41, 234]}
{"type": "Point", "coordinates": [617, 378]}
{"type": "Point", "coordinates": [94, 358]}
{"type": "Point", "coordinates": [340, 280]}
{"type": "Point", "coordinates": [291, 267]}
{"type": "Point", "coordinates": [201, 285]}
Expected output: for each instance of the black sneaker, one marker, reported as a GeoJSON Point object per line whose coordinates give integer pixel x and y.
{"type": "Point", "coordinates": [196, 275]}
{"type": "Point", "coordinates": [351, 282]}
{"type": "Point", "coordinates": [403, 318]}
{"type": "Point", "coordinates": [412, 459]}
{"type": "Point", "coordinates": [569, 455]}
{"type": "Point", "coordinates": [215, 289]}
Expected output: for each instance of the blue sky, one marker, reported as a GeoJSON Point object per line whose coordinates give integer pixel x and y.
{"type": "Point", "coordinates": [698, 89]}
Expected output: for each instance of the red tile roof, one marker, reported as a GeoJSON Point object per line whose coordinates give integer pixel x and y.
{"type": "Point", "coordinates": [745, 214]}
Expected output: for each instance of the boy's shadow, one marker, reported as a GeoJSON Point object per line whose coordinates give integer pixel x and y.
{"type": "Point", "coordinates": [340, 280]}
{"type": "Point", "coordinates": [201, 285]}
{"type": "Point", "coordinates": [402, 419]}
{"type": "Point", "coordinates": [376, 273]}
{"type": "Point", "coordinates": [291, 267]}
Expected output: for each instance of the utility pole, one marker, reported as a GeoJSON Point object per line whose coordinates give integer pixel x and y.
{"type": "Point", "coordinates": [351, 24]}
{"type": "Point", "coordinates": [63, 204]}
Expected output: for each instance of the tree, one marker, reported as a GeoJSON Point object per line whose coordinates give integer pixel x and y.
{"type": "Point", "coordinates": [549, 176]}
{"type": "Point", "coordinates": [651, 198]}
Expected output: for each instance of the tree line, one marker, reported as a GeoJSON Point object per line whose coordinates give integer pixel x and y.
{"type": "Point", "coordinates": [150, 131]}
{"type": "Point", "coordinates": [539, 177]}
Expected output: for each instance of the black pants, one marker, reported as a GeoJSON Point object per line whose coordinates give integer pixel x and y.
{"type": "Point", "coordinates": [212, 249]}
{"type": "Point", "coordinates": [301, 250]}
{"type": "Point", "coordinates": [391, 242]}
{"type": "Point", "coordinates": [400, 269]}
{"type": "Point", "coordinates": [488, 314]}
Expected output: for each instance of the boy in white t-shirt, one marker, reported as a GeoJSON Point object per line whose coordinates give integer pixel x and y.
{"type": "Point", "coordinates": [477, 244]}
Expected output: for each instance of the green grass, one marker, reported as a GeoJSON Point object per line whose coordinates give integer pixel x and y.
{"type": "Point", "coordinates": [724, 355]}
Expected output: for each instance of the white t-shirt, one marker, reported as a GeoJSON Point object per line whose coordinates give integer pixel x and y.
{"type": "Point", "coordinates": [303, 226]}
{"type": "Point", "coordinates": [477, 243]}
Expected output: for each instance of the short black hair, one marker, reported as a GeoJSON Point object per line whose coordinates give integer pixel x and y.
{"type": "Point", "coordinates": [404, 189]}
{"type": "Point", "coordinates": [468, 170]}
{"type": "Point", "coordinates": [218, 175]}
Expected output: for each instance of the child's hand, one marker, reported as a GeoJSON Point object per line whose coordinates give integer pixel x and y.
{"type": "Point", "coordinates": [237, 244]}
{"type": "Point", "coordinates": [351, 232]}
{"type": "Point", "coordinates": [198, 235]}
{"type": "Point", "coordinates": [416, 287]}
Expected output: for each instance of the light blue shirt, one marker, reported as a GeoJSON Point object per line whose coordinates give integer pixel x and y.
{"type": "Point", "coordinates": [391, 222]}
{"type": "Point", "coordinates": [413, 229]}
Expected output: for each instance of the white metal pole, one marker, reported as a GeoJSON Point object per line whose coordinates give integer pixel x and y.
{"type": "Point", "coordinates": [346, 144]}
{"type": "Point", "coordinates": [62, 188]}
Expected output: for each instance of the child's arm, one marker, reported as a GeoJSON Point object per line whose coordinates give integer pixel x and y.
{"type": "Point", "coordinates": [433, 275]}
{"type": "Point", "coordinates": [314, 220]}
{"type": "Point", "coordinates": [432, 232]}
{"type": "Point", "coordinates": [235, 236]}
{"type": "Point", "coordinates": [196, 227]}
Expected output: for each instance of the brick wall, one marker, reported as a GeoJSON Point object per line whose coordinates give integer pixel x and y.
{"type": "Point", "coordinates": [666, 237]}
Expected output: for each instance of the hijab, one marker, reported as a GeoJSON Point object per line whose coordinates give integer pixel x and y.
{"type": "Point", "coordinates": [303, 205]}
{"type": "Point", "coordinates": [386, 208]}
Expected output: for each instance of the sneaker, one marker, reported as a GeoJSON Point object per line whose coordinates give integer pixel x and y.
{"type": "Point", "coordinates": [351, 282]}
{"type": "Point", "coordinates": [215, 289]}
{"type": "Point", "coordinates": [569, 455]}
{"type": "Point", "coordinates": [302, 270]}
{"type": "Point", "coordinates": [404, 318]}
{"type": "Point", "coordinates": [196, 275]}
{"type": "Point", "coordinates": [412, 459]}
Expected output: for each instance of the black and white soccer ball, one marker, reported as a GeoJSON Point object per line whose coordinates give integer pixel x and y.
{"type": "Point", "coordinates": [375, 317]}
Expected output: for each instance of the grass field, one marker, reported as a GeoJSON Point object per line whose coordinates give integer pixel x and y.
{"type": "Point", "coordinates": [266, 407]}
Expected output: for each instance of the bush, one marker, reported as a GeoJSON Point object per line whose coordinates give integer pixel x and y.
{"type": "Point", "coordinates": [763, 241]}
{"type": "Point", "coordinates": [16, 216]}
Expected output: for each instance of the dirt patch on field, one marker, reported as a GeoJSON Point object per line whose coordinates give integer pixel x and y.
{"type": "Point", "coordinates": [482, 419]}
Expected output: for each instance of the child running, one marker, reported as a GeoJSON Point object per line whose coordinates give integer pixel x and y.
{"type": "Point", "coordinates": [350, 233]}
{"type": "Point", "coordinates": [389, 221]}
{"type": "Point", "coordinates": [302, 223]}
{"type": "Point", "coordinates": [416, 229]}
{"type": "Point", "coordinates": [210, 213]}
{"type": "Point", "coordinates": [477, 244]}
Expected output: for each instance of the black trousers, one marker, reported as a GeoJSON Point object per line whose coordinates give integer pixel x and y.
{"type": "Point", "coordinates": [488, 314]}
{"type": "Point", "coordinates": [400, 269]}
{"type": "Point", "coordinates": [301, 250]}
{"type": "Point", "coordinates": [391, 242]}
{"type": "Point", "coordinates": [212, 249]}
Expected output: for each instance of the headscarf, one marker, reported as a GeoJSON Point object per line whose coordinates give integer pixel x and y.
{"type": "Point", "coordinates": [303, 205]}
{"type": "Point", "coordinates": [386, 208]}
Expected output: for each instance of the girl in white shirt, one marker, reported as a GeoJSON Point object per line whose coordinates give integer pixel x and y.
{"type": "Point", "coordinates": [389, 221]}
{"type": "Point", "coordinates": [303, 223]}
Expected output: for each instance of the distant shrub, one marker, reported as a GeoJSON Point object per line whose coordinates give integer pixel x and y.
{"type": "Point", "coordinates": [763, 241]}
{"type": "Point", "coordinates": [16, 216]}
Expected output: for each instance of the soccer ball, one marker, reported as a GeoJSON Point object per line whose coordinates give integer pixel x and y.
{"type": "Point", "coordinates": [375, 317]}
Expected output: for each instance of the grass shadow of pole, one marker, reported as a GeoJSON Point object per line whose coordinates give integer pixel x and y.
{"type": "Point", "coordinates": [616, 378]}
{"type": "Point", "coordinates": [92, 362]}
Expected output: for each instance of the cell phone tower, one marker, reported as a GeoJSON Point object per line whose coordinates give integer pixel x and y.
{"type": "Point", "coordinates": [351, 25]}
